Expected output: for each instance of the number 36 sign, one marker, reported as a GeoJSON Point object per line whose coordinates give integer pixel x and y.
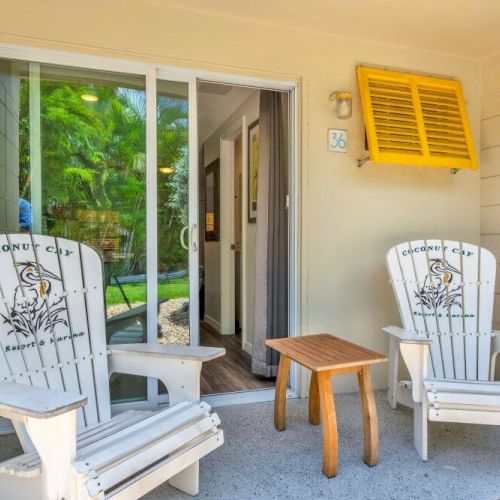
{"type": "Point", "coordinates": [337, 140]}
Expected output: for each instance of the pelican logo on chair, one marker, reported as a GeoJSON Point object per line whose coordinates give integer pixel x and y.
{"type": "Point", "coordinates": [442, 286]}
{"type": "Point", "coordinates": [37, 305]}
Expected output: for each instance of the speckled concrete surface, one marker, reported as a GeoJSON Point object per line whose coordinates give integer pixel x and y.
{"type": "Point", "coordinates": [256, 461]}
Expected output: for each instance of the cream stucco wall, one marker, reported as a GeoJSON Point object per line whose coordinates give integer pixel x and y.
{"type": "Point", "coordinates": [350, 216]}
{"type": "Point", "coordinates": [490, 165]}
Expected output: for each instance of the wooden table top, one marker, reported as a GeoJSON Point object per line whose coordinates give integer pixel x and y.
{"type": "Point", "coordinates": [325, 352]}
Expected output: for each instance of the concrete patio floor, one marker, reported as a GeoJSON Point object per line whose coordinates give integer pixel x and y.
{"type": "Point", "coordinates": [256, 461]}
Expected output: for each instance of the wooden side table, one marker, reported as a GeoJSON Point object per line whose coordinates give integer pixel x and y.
{"type": "Point", "coordinates": [326, 355]}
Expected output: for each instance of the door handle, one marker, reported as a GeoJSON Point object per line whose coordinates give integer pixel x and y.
{"type": "Point", "coordinates": [183, 236]}
{"type": "Point", "coordinates": [194, 239]}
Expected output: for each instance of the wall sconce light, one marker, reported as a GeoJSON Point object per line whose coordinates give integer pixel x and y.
{"type": "Point", "coordinates": [343, 101]}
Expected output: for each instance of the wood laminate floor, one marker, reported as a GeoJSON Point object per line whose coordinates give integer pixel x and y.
{"type": "Point", "coordinates": [231, 372]}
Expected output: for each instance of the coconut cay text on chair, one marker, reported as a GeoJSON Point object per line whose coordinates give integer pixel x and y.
{"type": "Point", "coordinates": [54, 373]}
{"type": "Point", "coordinates": [445, 292]}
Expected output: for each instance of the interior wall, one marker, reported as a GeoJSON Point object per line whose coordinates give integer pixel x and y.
{"type": "Point", "coordinates": [211, 150]}
{"type": "Point", "coordinates": [349, 216]}
{"type": "Point", "coordinates": [238, 229]}
{"type": "Point", "coordinates": [490, 166]}
{"type": "Point", "coordinates": [9, 149]}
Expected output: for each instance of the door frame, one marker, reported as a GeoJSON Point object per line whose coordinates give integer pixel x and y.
{"type": "Point", "coordinates": [152, 72]}
{"type": "Point", "coordinates": [294, 221]}
{"type": "Point", "coordinates": [227, 254]}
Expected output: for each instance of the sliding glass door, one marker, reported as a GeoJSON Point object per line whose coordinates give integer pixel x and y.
{"type": "Point", "coordinates": [177, 173]}
{"type": "Point", "coordinates": [104, 158]}
{"type": "Point", "coordinates": [174, 226]}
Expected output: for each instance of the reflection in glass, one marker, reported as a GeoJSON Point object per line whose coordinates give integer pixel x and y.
{"type": "Point", "coordinates": [173, 198]}
{"type": "Point", "coordinates": [173, 161]}
{"type": "Point", "coordinates": [77, 153]}
{"type": "Point", "coordinates": [212, 189]}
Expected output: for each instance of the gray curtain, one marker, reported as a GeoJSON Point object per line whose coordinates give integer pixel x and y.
{"type": "Point", "coordinates": [271, 281]}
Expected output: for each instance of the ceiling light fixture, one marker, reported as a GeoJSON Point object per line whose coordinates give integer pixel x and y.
{"type": "Point", "coordinates": [166, 170]}
{"type": "Point", "coordinates": [89, 97]}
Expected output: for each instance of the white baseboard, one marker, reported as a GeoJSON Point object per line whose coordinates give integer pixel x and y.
{"type": "Point", "coordinates": [212, 322]}
{"type": "Point", "coordinates": [247, 347]}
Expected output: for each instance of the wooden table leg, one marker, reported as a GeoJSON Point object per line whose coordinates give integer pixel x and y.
{"type": "Point", "coordinates": [314, 405]}
{"type": "Point", "coordinates": [328, 424]}
{"type": "Point", "coordinates": [370, 423]}
{"type": "Point", "coordinates": [280, 393]}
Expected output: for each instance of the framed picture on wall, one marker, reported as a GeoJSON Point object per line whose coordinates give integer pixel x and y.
{"type": "Point", "coordinates": [253, 170]}
{"type": "Point", "coordinates": [212, 188]}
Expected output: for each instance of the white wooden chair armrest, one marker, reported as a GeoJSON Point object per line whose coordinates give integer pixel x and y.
{"type": "Point", "coordinates": [18, 401]}
{"type": "Point", "coordinates": [178, 367]}
{"type": "Point", "coordinates": [405, 336]}
{"type": "Point", "coordinates": [181, 352]}
{"type": "Point", "coordinates": [414, 349]}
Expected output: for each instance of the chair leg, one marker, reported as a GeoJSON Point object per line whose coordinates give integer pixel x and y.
{"type": "Point", "coordinates": [187, 480]}
{"type": "Point", "coordinates": [55, 441]}
{"type": "Point", "coordinates": [393, 373]}
{"type": "Point", "coordinates": [420, 416]}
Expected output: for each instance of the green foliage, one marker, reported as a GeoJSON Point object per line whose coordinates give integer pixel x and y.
{"type": "Point", "coordinates": [93, 158]}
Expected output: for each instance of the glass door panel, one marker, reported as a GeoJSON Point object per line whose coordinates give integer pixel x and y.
{"type": "Point", "coordinates": [77, 154]}
{"type": "Point", "coordinates": [174, 233]}
{"type": "Point", "coordinates": [73, 164]}
{"type": "Point", "coordinates": [173, 212]}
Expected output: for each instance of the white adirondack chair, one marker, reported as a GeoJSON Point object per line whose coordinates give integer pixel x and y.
{"type": "Point", "coordinates": [445, 291]}
{"type": "Point", "coordinates": [54, 372]}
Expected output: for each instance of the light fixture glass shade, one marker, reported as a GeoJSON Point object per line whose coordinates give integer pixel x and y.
{"type": "Point", "coordinates": [344, 109]}
{"type": "Point", "coordinates": [343, 101]}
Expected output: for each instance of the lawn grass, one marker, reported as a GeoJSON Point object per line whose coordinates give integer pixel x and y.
{"type": "Point", "coordinates": [136, 292]}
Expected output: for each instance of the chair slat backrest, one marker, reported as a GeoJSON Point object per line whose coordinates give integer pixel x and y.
{"type": "Point", "coordinates": [52, 323]}
{"type": "Point", "coordinates": [445, 291]}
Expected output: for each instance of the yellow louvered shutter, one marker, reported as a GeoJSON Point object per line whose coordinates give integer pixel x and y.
{"type": "Point", "coordinates": [415, 120]}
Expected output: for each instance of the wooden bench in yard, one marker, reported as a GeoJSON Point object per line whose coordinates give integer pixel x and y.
{"type": "Point", "coordinates": [129, 326]}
